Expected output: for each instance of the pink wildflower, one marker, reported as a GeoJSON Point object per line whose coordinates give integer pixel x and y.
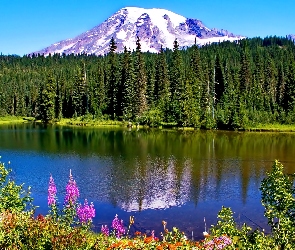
{"type": "Point", "coordinates": [72, 191]}
{"type": "Point", "coordinates": [51, 192]}
{"type": "Point", "coordinates": [118, 226]}
{"type": "Point", "coordinates": [85, 213]}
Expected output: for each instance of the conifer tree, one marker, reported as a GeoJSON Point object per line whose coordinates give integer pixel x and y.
{"type": "Point", "coordinates": [176, 84]}
{"type": "Point", "coordinates": [189, 107]}
{"type": "Point", "coordinates": [207, 96]}
{"type": "Point", "coordinates": [245, 101]}
{"type": "Point", "coordinates": [47, 99]}
{"type": "Point", "coordinates": [281, 88]}
{"type": "Point", "coordinates": [162, 84]}
{"type": "Point", "coordinates": [195, 70]}
{"type": "Point", "coordinates": [245, 71]}
{"type": "Point", "coordinates": [58, 101]}
{"type": "Point", "coordinates": [2, 102]}
{"type": "Point", "coordinates": [128, 86]}
{"type": "Point", "coordinates": [256, 76]}
{"type": "Point", "coordinates": [218, 80]}
{"type": "Point", "coordinates": [257, 92]}
{"type": "Point", "coordinates": [270, 83]}
{"type": "Point", "coordinates": [151, 79]}
{"type": "Point", "coordinates": [291, 92]}
{"type": "Point", "coordinates": [112, 80]}
{"type": "Point", "coordinates": [97, 91]}
{"type": "Point", "coordinates": [140, 105]}
{"type": "Point", "coordinates": [80, 92]}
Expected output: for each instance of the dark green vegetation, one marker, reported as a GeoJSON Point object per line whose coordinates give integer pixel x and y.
{"type": "Point", "coordinates": [222, 85]}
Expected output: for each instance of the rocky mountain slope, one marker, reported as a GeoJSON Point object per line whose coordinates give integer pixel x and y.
{"type": "Point", "coordinates": [154, 27]}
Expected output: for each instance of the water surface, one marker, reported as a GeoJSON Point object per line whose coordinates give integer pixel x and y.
{"type": "Point", "coordinates": [155, 175]}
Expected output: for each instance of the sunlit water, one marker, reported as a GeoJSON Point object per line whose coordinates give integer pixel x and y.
{"type": "Point", "coordinates": [180, 177]}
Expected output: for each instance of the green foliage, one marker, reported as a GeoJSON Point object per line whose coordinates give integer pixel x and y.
{"type": "Point", "coordinates": [127, 83]}
{"type": "Point", "coordinates": [243, 237]}
{"type": "Point", "coordinates": [226, 224]}
{"type": "Point", "coordinates": [13, 197]}
{"type": "Point", "coordinates": [277, 193]}
{"type": "Point", "coordinates": [278, 199]}
{"type": "Point", "coordinates": [140, 87]}
{"type": "Point", "coordinates": [161, 90]}
{"type": "Point", "coordinates": [22, 231]}
{"type": "Point", "coordinates": [47, 100]}
{"type": "Point", "coordinates": [222, 85]}
{"type": "Point", "coordinates": [152, 118]}
{"type": "Point", "coordinates": [177, 85]}
{"type": "Point", "coordinates": [112, 81]}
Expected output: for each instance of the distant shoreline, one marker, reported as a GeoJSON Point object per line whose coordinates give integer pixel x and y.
{"type": "Point", "coordinates": [124, 124]}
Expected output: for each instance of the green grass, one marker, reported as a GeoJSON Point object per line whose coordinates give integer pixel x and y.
{"type": "Point", "coordinates": [272, 128]}
{"type": "Point", "coordinates": [15, 119]}
{"type": "Point", "coordinates": [90, 123]}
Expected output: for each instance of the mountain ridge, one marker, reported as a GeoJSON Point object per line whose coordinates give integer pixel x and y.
{"type": "Point", "coordinates": [155, 28]}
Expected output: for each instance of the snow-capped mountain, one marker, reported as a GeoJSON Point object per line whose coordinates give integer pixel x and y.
{"type": "Point", "coordinates": [154, 27]}
{"type": "Point", "coordinates": [291, 37]}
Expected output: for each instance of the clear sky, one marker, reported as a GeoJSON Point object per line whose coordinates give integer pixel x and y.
{"type": "Point", "coordinates": [30, 25]}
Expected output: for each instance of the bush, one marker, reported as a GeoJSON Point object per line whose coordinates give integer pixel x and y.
{"type": "Point", "coordinates": [13, 197]}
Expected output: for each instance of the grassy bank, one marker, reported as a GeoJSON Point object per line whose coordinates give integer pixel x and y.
{"type": "Point", "coordinates": [272, 128]}
{"type": "Point", "coordinates": [89, 122]}
{"type": "Point", "coordinates": [15, 119]}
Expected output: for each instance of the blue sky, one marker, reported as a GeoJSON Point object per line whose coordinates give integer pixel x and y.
{"type": "Point", "coordinates": [31, 25]}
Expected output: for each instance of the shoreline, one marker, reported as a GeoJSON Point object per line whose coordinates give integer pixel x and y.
{"type": "Point", "coordinates": [123, 124]}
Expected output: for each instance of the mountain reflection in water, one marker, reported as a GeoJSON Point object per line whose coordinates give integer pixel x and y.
{"type": "Point", "coordinates": [178, 176]}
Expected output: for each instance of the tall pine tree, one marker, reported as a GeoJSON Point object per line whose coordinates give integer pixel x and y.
{"type": "Point", "coordinates": [140, 105]}
{"type": "Point", "coordinates": [47, 100]}
{"type": "Point", "coordinates": [162, 84]}
{"type": "Point", "coordinates": [112, 80]}
{"type": "Point", "coordinates": [128, 86]}
{"type": "Point", "coordinates": [177, 85]}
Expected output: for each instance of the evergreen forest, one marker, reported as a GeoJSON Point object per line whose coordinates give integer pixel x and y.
{"type": "Point", "coordinates": [228, 85]}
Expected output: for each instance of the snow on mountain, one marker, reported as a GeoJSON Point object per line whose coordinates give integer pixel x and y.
{"type": "Point", "coordinates": [291, 37]}
{"type": "Point", "coordinates": [154, 27]}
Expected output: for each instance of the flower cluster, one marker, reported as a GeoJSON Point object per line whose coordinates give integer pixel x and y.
{"type": "Point", "coordinates": [218, 243]}
{"type": "Point", "coordinates": [72, 212]}
{"type": "Point", "coordinates": [72, 191]}
{"type": "Point", "coordinates": [105, 230]}
{"type": "Point", "coordinates": [118, 226]}
{"type": "Point", "coordinates": [51, 192]}
{"type": "Point", "coordinates": [85, 212]}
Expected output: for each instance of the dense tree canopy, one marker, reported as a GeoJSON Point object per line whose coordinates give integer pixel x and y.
{"type": "Point", "coordinates": [224, 85]}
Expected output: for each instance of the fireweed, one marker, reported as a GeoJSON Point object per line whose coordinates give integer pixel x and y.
{"type": "Point", "coordinates": [52, 190]}
{"type": "Point", "coordinates": [218, 243]}
{"type": "Point", "coordinates": [70, 201]}
{"type": "Point", "coordinates": [72, 212]}
{"type": "Point", "coordinates": [118, 227]}
{"type": "Point", "coordinates": [85, 212]}
{"type": "Point", "coordinates": [105, 230]}
{"type": "Point", "coordinates": [72, 191]}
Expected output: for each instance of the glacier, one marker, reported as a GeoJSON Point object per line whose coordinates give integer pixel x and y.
{"type": "Point", "coordinates": [154, 27]}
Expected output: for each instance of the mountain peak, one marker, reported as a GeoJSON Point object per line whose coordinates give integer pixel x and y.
{"type": "Point", "coordinates": [155, 28]}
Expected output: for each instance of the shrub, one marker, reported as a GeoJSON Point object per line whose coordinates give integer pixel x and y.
{"type": "Point", "coordinates": [13, 197]}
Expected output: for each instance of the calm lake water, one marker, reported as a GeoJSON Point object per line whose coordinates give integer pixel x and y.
{"type": "Point", "coordinates": [180, 177]}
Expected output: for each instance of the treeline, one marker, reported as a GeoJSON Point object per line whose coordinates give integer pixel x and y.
{"type": "Point", "coordinates": [224, 85]}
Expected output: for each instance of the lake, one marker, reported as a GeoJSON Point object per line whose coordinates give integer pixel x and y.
{"type": "Point", "coordinates": [177, 176]}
